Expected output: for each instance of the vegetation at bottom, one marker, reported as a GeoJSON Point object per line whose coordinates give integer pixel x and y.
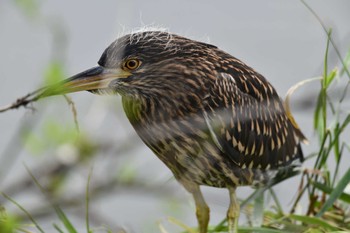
{"type": "Point", "coordinates": [326, 189]}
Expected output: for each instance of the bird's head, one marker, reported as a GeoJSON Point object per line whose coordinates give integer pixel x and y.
{"type": "Point", "coordinates": [142, 63]}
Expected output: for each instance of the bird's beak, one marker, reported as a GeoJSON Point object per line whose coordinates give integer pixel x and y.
{"type": "Point", "coordinates": [96, 78]}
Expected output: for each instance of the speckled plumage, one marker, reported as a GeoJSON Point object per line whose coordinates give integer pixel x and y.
{"type": "Point", "coordinates": [209, 117]}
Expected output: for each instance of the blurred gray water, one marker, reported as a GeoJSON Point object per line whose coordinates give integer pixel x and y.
{"type": "Point", "coordinates": [280, 39]}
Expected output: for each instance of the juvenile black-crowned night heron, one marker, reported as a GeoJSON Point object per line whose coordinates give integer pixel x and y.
{"type": "Point", "coordinates": [209, 117]}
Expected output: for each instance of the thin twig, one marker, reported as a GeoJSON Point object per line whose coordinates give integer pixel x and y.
{"type": "Point", "coordinates": [31, 97]}
{"type": "Point", "coordinates": [74, 111]}
{"type": "Point", "coordinates": [23, 101]}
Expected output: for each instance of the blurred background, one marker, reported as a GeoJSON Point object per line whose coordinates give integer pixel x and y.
{"type": "Point", "coordinates": [130, 188]}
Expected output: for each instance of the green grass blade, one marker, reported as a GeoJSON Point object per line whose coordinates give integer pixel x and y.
{"type": "Point", "coordinates": [330, 77]}
{"type": "Point", "coordinates": [258, 212]}
{"type": "Point", "coordinates": [345, 123]}
{"type": "Point", "coordinates": [338, 232]}
{"type": "Point", "coordinates": [220, 226]}
{"type": "Point", "coordinates": [324, 188]}
{"type": "Point", "coordinates": [346, 62]}
{"type": "Point", "coordinates": [345, 67]}
{"type": "Point", "coordinates": [260, 229]}
{"type": "Point", "coordinates": [87, 201]}
{"type": "Point", "coordinates": [251, 197]}
{"type": "Point", "coordinates": [336, 148]}
{"type": "Point", "coordinates": [24, 211]}
{"type": "Point", "coordinates": [336, 193]}
{"type": "Point", "coordinates": [58, 228]}
{"type": "Point", "coordinates": [277, 201]}
{"type": "Point", "coordinates": [62, 216]}
{"type": "Point", "coordinates": [314, 221]}
{"type": "Point", "coordinates": [317, 116]}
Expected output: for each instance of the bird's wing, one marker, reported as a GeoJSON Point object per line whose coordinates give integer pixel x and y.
{"type": "Point", "coordinates": [248, 123]}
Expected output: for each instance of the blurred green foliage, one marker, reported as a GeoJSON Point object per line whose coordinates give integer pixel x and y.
{"type": "Point", "coordinates": [8, 224]}
{"type": "Point", "coordinates": [54, 73]}
{"type": "Point", "coordinates": [29, 7]}
{"type": "Point", "coordinates": [51, 135]}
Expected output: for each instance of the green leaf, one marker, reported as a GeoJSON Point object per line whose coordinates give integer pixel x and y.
{"type": "Point", "coordinates": [336, 193]}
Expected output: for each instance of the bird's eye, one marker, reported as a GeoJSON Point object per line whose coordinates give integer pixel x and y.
{"type": "Point", "coordinates": [131, 64]}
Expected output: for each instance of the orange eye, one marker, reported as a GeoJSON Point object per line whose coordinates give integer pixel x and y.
{"type": "Point", "coordinates": [131, 64]}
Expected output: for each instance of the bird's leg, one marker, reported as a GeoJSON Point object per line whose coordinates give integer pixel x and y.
{"type": "Point", "coordinates": [233, 212]}
{"type": "Point", "coordinates": [202, 209]}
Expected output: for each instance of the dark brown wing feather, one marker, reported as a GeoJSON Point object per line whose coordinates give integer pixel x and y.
{"type": "Point", "coordinates": [248, 122]}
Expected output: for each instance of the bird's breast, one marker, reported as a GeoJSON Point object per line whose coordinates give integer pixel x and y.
{"type": "Point", "coordinates": [179, 137]}
{"type": "Point", "coordinates": [183, 143]}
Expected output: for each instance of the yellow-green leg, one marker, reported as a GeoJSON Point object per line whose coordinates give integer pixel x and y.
{"type": "Point", "coordinates": [233, 212]}
{"type": "Point", "coordinates": [202, 209]}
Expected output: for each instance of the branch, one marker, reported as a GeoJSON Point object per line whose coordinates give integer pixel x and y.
{"type": "Point", "coordinates": [24, 101]}
{"type": "Point", "coordinates": [50, 90]}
